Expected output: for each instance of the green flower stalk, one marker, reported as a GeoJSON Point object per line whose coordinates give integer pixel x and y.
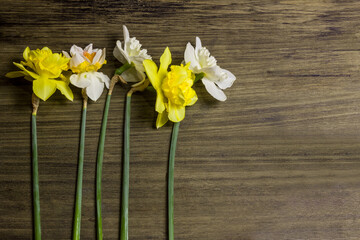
{"type": "Point", "coordinates": [35, 170]}
{"type": "Point", "coordinates": [101, 145]}
{"type": "Point", "coordinates": [77, 214]}
{"type": "Point", "coordinates": [124, 231]}
{"type": "Point", "coordinates": [99, 163]}
{"type": "Point", "coordinates": [174, 137]}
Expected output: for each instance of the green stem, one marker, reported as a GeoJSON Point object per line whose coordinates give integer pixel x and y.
{"type": "Point", "coordinates": [123, 68]}
{"type": "Point", "coordinates": [100, 156]}
{"type": "Point", "coordinates": [199, 76]}
{"type": "Point", "coordinates": [77, 215]}
{"type": "Point", "coordinates": [174, 136]}
{"type": "Point", "coordinates": [125, 176]}
{"type": "Point", "coordinates": [35, 175]}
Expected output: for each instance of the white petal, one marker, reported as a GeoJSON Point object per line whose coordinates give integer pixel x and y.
{"type": "Point", "coordinates": [214, 91]}
{"type": "Point", "coordinates": [97, 56]}
{"type": "Point", "coordinates": [75, 49]}
{"type": "Point", "coordinates": [126, 56]}
{"type": "Point", "coordinates": [198, 44]}
{"type": "Point", "coordinates": [189, 53]}
{"type": "Point", "coordinates": [116, 52]}
{"type": "Point", "coordinates": [76, 60]}
{"type": "Point", "coordinates": [96, 88]}
{"type": "Point", "coordinates": [227, 82]}
{"type": "Point", "coordinates": [126, 33]}
{"type": "Point", "coordinates": [126, 39]}
{"type": "Point", "coordinates": [103, 78]}
{"type": "Point", "coordinates": [89, 48]}
{"type": "Point", "coordinates": [103, 55]}
{"type": "Point", "coordinates": [132, 75]}
{"type": "Point", "coordinates": [213, 73]}
{"type": "Point", "coordinates": [66, 54]}
{"type": "Point", "coordinates": [189, 56]}
{"type": "Point", "coordinates": [138, 60]}
{"type": "Point", "coordinates": [80, 80]}
{"type": "Point", "coordinates": [119, 53]}
{"type": "Point", "coordinates": [138, 63]}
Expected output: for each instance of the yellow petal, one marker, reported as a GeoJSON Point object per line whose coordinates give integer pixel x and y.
{"type": "Point", "coordinates": [33, 75]}
{"type": "Point", "coordinates": [176, 112]}
{"type": "Point", "coordinates": [165, 61]}
{"type": "Point", "coordinates": [29, 64]}
{"type": "Point", "coordinates": [26, 53]}
{"type": "Point", "coordinates": [53, 65]}
{"type": "Point", "coordinates": [160, 102]}
{"type": "Point", "coordinates": [65, 89]}
{"type": "Point", "coordinates": [192, 97]}
{"type": "Point", "coordinates": [44, 88]}
{"type": "Point", "coordinates": [15, 74]}
{"type": "Point", "coordinates": [151, 71]}
{"type": "Point", "coordinates": [162, 118]}
{"type": "Point", "coordinates": [46, 49]}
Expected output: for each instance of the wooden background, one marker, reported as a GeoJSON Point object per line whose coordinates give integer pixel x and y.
{"type": "Point", "coordinates": [280, 159]}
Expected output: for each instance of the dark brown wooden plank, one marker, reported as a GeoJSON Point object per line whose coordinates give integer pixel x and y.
{"type": "Point", "coordinates": [278, 160]}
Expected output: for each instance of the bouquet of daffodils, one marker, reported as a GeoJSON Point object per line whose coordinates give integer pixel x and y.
{"type": "Point", "coordinates": [174, 87]}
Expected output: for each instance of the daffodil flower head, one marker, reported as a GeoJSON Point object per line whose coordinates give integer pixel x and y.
{"type": "Point", "coordinates": [131, 53]}
{"type": "Point", "coordinates": [44, 68]}
{"type": "Point", "coordinates": [174, 88]}
{"type": "Point", "coordinates": [85, 63]}
{"type": "Point", "coordinates": [215, 78]}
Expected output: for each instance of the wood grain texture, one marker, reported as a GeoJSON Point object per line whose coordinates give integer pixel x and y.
{"type": "Point", "coordinates": [280, 159]}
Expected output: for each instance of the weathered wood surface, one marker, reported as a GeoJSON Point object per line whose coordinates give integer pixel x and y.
{"type": "Point", "coordinates": [280, 159]}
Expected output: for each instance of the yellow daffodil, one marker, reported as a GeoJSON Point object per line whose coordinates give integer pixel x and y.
{"type": "Point", "coordinates": [84, 63]}
{"type": "Point", "coordinates": [173, 88]}
{"type": "Point", "coordinates": [44, 68]}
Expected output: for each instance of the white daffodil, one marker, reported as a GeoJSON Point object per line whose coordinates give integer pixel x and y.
{"type": "Point", "coordinates": [131, 54]}
{"type": "Point", "coordinates": [215, 78]}
{"type": "Point", "coordinates": [84, 63]}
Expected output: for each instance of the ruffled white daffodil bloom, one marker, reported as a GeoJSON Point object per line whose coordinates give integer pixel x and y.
{"type": "Point", "coordinates": [215, 78]}
{"type": "Point", "coordinates": [131, 54]}
{"type": "Point", "coordinates": [84, 63]}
